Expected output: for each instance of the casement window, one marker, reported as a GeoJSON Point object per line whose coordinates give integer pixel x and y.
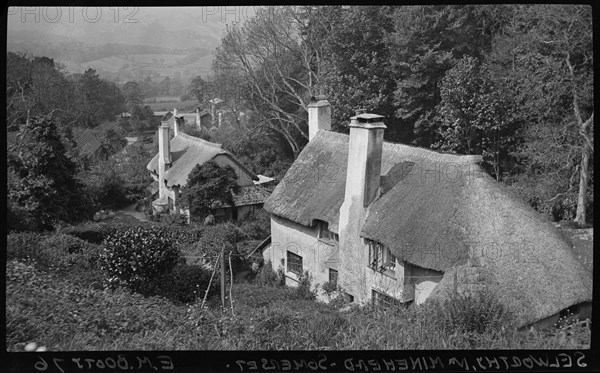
{"type": "Point", "coordinates": [323, 232]}
{"type": "Point", "coordinates": [294, 263]}
{"type": "Point", "coordinates": [333, 276]}
{"type": "Point", "coordinates": [381, 258]}
{"type": "Point", "coordinates": [380, 299]}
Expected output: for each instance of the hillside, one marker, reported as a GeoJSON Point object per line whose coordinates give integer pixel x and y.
{"type": "Point", "coordinates": [155, 41]}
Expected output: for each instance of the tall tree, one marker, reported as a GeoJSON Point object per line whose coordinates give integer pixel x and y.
{"type": "Point", "coordinates": [356, 68]}
{"type": "Point", "coordinates": [278, 68]}
{"type": "Point", "coordinates": [43, 182]}
{"type": "Point", "coordinates": [209, 184]}
{"type": "Point", "coordinates": [476, 114]}
{"type": "Point", "coordinates": [197, 88]}
{"type": "Point", "coordinates": [425, 43]}
{"type": "Point", "coordinates": [546, 54]}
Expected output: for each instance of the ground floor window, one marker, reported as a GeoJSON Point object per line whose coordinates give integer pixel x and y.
{"type": "Point", "coordinates": [380, 299]}
{"type": "Point", "coordinates": [333, 276]}
{"type": "Point", "coordinates": [294, 263]}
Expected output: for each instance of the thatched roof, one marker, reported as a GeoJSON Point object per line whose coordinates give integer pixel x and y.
{"type": "Point", "coordinates": [441, 211]}
{"type": "Point", "coordinates": [532, 267]}
{"type": "Point", "coordinates": [313, 187]}
{"type": "Point", "coordinates": [187, 152]}
{"type": "Point", "coordinates": [247, 195]}
{"type": "Point", "coordinates": [88, 143]}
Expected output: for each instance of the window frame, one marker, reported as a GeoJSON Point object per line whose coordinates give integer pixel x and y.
{"type": "Point", "coordinates": [324, 234]}
{"type": "Point", "coordinates": [383, 300]}
{"type": "Point", "coordinates": [381, 259]}
{"type": "Point", "coordinates": [291, 265]}
{"type": "Point", "coordinates": [336, 275]}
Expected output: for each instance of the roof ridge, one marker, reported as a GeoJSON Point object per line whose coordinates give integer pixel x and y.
{"type": "Point", "coordinates": [201, 140]}
{"type": "Point", "coordinates": [474, 158]}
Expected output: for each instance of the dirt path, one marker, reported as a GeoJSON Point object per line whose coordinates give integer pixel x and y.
{"type": "Point", "coordinates": [130, 210]}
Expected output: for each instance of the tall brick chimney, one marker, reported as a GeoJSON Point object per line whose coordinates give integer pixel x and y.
{"type": "Point", "coordinates": [319, 117]}
{"type": "Point", "coordinates": [362, 184]}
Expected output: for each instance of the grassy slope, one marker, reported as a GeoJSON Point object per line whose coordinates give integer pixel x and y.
{"type": "Point", "coordinates": [62, 315]}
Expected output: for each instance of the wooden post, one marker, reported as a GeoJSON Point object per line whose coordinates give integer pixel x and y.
{"type": "Point", "coordinates": [223, 277]}
{"type": "Point", "coordinates": [231, 285]}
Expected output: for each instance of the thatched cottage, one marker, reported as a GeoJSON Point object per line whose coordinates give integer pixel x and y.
{"type": "Point", "coordinates": [396, 223]}
{"type": "Point", "coordinates": [178, 155]}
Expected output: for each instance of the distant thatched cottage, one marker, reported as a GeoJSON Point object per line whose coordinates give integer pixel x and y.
{"type": "Point", "coordinates": [177, 157]}
{"type": "Point", "coordinates": [395, 223]}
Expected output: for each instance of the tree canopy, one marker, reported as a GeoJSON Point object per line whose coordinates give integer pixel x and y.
{"type": "Point", "coordinates": [42, 180]}
{"type": "Point", "coordinates": [207, 185]}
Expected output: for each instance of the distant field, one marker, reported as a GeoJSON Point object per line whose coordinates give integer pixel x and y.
{"type": "Point", "coordinates": [163, 64]}
{"type": "Point", "coordinates": [158, 99]}
{"type": "Point", "coordinates": [160, 106]}
{"type": "Point", "coordinates": [152, 59]}
{"type": "Point", "coordinates": [112, 64]}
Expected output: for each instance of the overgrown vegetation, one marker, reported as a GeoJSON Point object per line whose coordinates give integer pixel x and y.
{"type": "Point", "coordinates": [137, 258]}
{"type": "Point", "coordinates": [66, 316]}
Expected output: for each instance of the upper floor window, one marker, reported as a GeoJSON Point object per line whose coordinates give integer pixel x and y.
{"type": "Point", "coordinates": [323, 232]}
{"type": "Point", "coordinates": [381, 259]}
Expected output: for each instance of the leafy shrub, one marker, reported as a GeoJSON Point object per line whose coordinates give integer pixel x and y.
{"type": "Point", "coordinates": [65, 252]}
{"type": "Point", "coordinates": [22, 245]}
{"type": "Point", "coordinates": [53, 251]}
{"type": "Point", "coordinates": [478, 313]}
{"type": "Point", "coordinates": [329, 287]}
{"type": "Point", "coordinates": [134, 192]}
{"type": "Point", "coordinates": [62, 315]}
{"type": "Point", "coordinates": [186, 283]}
{"type": "Point", "coordinates": [205, 244]}
{"type": "Point", "coordinates": [257, 228]}
{"type": "Point", "coordinates": [174, 220]}
{"type": "Point", "coordinates": [281, 276]}
{"type": "Point", "coordinates": [303, 290]}
{"type": "Point", "coordinates": [19, 219]}
{"type": "Point", "coordinates": [267, 277]}
{"type": "Point", "coordinates": [138, 257]}
{"type": "Point", "coordinates": [92, 232]}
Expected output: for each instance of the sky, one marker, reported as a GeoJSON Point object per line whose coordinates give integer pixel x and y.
{"type": "Point", "coordinates": [158, 26]}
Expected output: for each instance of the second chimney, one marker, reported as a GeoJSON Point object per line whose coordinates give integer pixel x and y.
{"type": "Point", "coordinates": [198, 119]}
{"type": "Point", "coordinates": [164, 156]}
{"type": "Point", "coordinates": [319, 117]}
{"type": "Point", "coordinates": [175, 123]}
